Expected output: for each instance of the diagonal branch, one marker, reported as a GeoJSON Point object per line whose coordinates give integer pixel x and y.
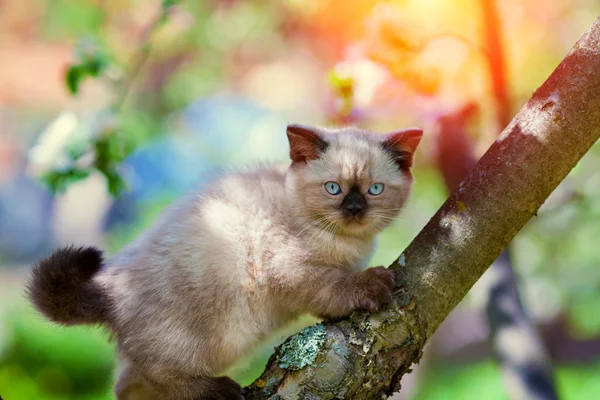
{"type": "Point", "coordinates": [364, 356]}
{"type": "Point", "coordinates": [527, 374]}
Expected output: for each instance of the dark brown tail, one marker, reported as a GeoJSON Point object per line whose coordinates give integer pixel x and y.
{"type": "Point", "coordinates": [61, 287]}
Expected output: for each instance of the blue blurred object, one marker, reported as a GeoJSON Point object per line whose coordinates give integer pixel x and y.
{"type": "Point", "coordinates": [167, 165]}
{"type": "Point", "coordinates": [236, 128]}
{"type": "Point", "coordinates": [219, 120]}
{"type": "Point", "coordinates": [25, 219]}
{"type": "Point", "coordinates": [219, 132]}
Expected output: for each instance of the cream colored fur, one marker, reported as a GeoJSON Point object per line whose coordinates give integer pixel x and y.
{"type": "Point", "coordinates": [224, 268]}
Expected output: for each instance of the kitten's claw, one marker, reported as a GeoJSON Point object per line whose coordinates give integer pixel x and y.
{"type": "Point", "coordinates": [387, 276]}
{"type": "Point", "coordinates": [377, 285]}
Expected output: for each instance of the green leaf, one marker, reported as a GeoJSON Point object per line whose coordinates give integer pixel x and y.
{"type": "Point", "coordinates": [166, 8]}
{"type": "Point", "coordinates": [73, 78]}
{"type": "Point", "coordinates": [109, 153]}
{"type": "Point", "coordinates": [166, 4]}
{"type": "Point", "coordinates": [92, 62]}
{"type": "Point", "coordinates": [343, 85]}
{"type": "Point", "coordinates": [116, 183]}
{"type": "Point", "coordinates": [58, 181]}
{"type": "Point", "coordinates": [95, 65]}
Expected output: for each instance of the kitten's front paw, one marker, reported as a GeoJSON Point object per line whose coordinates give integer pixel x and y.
{"type": "Point", "coordinates": [376, 287]}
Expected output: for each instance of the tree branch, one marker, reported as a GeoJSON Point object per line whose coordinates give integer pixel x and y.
{"type": "Point", "coordinates": [527, 375]}
{"type": "Point", "coordinates": [364, 356]}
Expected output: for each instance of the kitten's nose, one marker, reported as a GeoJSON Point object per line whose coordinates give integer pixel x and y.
{"type": "Point", "coordinates": [353, 208]}
{"type": "Point", "coordinates": [354, 203]}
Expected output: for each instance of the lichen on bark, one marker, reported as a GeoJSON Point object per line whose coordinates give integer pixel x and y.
{"type": "Point", "coordinates": [302, 349]}
{"type": "Point", "coordinates": [335, 354]}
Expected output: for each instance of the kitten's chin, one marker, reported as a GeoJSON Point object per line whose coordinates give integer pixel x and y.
{"type": "Point", "coordinates": [361, 226]}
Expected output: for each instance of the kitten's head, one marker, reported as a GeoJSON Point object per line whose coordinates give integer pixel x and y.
{"type": "Point", "coordinates": [348, 180]}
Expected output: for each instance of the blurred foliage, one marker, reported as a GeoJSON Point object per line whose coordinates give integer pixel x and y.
{"type": "Point", "coordinates": [484, 381]}
{"type": "Point", "coordinates": [108, 142]}
{"type": "Point", "coordinates": [42, 361]}
{"type": "Point", "coordinates": [343, 87]}
{"type": "Point", "coordinates": [91, 63]}
{"type": "Point", "coordinates": [136, 72]}
{"type": "Point", "coordinates": [45, 362]}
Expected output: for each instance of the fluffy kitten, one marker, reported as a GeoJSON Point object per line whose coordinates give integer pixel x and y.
{"type": "Point", "coordinates": [223, 269]}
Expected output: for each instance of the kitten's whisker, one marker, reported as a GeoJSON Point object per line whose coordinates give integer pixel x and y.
{"type": "Point", "coordinates": [317, 234]}
{"type": "Point", "coordinates": [301, 221]}
{"type": "Point", "coordinates": [325, 228]}
{"type": "Point", "coordinates": [332, 228]}
{"type": "Point", "coordinates": [383, 216]}
{"type": "Point", "coordinates": [312, 224]}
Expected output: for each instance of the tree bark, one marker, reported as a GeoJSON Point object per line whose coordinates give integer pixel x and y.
{"type": "Point", "coordinates": [527, 375]}
{"type": "Point", "coordinates": [364, 356]}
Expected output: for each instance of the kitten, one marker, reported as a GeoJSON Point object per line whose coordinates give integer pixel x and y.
{"type": "Point", "coordinates": [223, 269]}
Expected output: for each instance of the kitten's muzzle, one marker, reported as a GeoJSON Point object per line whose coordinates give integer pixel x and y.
{"type": "Point", "coordinates": [354, 203]}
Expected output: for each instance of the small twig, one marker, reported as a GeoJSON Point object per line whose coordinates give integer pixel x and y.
{"type": "Point", "coordinates": [142, 56]}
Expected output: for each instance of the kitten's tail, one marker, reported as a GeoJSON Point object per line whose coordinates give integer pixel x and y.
{"type": "Point", "coordinates": [61, 287]}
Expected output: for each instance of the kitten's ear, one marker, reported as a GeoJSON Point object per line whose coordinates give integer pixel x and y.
{"type": "Point", "coordinates": [305, 143]}
{"type": "Point", "coordinates": [401, 146]}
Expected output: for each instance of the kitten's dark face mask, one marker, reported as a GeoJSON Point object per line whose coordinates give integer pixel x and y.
{"type": "Point", "coordinates": [351, 182]}
{"type": "Point", "coordinates": [354, 205]}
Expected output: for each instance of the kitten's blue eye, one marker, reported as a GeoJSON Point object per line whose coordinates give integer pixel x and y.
{"type": "Point", "coordinates": [376, 189]}
{"type": "Point", "coordinates": [333, 188]}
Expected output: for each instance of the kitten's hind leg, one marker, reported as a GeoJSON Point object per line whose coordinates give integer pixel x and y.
{"type": "Point", "coordinates": [129, 386]}
{"type": "Point", "coordinates": [223, 388]}
{"type": "Point", "coordinates": [197, 388]}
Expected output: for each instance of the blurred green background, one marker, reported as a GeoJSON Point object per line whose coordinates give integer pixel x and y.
{"type": "Point", "coordinates": [111, 109]}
